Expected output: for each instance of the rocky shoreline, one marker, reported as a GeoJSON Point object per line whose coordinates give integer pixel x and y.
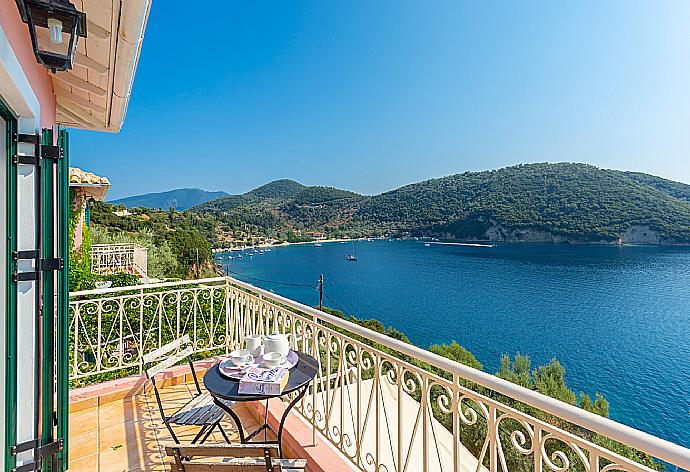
{"type": "Point", "coordinates": [636, 235]}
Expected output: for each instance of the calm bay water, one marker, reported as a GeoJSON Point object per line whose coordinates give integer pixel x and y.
{"type": "Point", "coordinates": [618, 318]}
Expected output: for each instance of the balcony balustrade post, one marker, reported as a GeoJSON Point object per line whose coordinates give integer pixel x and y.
{"type": "Point", "coordinates": [195, 312]}
{"type": "Point", "coordinates": [457, 439]}
{"type": "Point", "coordinates": [121, 342]}
{"type": "Point", "coordinates": [315, 354]}
{"type": "Point", "coordinates": [342, 369]}
{"type": "Point", "coordinates": [75, 370]}
{"type": "Point", "coordinates": [212, 326]}
{"type": "Point", "coordinates": [99, 338]}
{"type": "Point", "coordinates": [237, 310]}
{"type": "Point", "coordinates": [424, 405]}
{"type": "Point", "coordinates": [536, 445]}
{"type": "Point", "coordinates": [401, 420]}
{"type": "Point", "coordinates": [245, 317]}
{"type": "Point", "coordinates": [327, 373]}
{"type": "Point", "coordinates": [493, 443]}
{"type": "Point", "coordinates": [140, 347]}
{"type": "Point", "coordinates": [375, 392]}
{"type": "Point", "coordinates": [226, 287]}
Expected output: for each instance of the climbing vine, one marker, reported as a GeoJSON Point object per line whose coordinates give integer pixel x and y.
{"type": "Point", "coordinates": [80, 277]}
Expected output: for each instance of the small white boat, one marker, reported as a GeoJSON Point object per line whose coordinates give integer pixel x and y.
{"type": "Point", "coordinates": [427, 245]}
{"type": "Point", "coordinates": [317, 244]}
{"type": "Point", "coordinates": [352, 257]}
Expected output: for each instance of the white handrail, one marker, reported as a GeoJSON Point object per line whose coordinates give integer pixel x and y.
{"type": "Point", "coordinates": [657, 447]}
{"type": "Point", "coordinates": [100, 291]}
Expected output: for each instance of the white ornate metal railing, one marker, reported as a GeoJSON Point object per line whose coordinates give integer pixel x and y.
{"type": "Point", "coordinates": [126, 257]}
{"type": "Point", "coordinates": [384, 404]}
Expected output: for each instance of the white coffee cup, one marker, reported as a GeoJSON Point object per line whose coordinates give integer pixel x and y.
{"type": "Point", "coordinates": [254, 344]}
{"type": "Point", "coordinates": [241, 357]}
{"type": "Point", "coordinates": [274, 359]}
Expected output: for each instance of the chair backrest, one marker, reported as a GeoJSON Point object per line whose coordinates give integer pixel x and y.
{"type": "Point", "coordinates": [235, 458]}
{"type": "Point", "coordinates": [183, 349]}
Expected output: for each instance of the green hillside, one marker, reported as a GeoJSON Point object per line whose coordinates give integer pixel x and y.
{"type": "Point", "coordinates": [562, 202]}
{"type": "Point", "coordinates": [284, 210]}
{"type": "Point", "coordinates": [179, 199]}
{"type": "Point", "coordinates": [278, 189]}
{"type": "Point", "coordinates": [675, 189]}
{"type": "Point", "coordinates": [576, 201]}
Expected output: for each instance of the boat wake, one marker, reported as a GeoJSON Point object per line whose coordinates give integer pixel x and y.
{"type": "Point", "coordinates": [461, 244]}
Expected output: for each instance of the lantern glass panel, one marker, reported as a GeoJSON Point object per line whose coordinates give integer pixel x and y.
{"type": "Point", "coordinates": [46, 40]}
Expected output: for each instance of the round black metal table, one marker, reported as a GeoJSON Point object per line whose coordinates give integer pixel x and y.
{"type": "Point", "coordinates": [225, 388]}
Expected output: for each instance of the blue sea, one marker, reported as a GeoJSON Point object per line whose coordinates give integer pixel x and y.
{"type": "Point", "coordinates": [616, 317]}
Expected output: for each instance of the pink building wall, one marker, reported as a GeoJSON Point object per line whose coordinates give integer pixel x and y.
{"type": "Point", "coordinates": [80, 207]}
{"type": "Point", "coordinates": [38, 76]}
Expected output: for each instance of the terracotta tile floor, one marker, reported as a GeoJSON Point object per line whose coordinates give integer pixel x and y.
{"type": "Point", "coordinates": [130, 436]}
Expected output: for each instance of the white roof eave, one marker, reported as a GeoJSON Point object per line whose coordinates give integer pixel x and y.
{"type": "Point", "coordinates": [95, 94]}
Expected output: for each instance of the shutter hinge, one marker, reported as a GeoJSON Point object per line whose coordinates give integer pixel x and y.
{"type": "Point", "coordinates": [42, 265]}
{"type": "Point", "coordinates": [40, 452]}
{"type": "Point", "coordinates": [27, 138]}
{"type": "Point", "coordinates": [56, 263]}
{"type": "Point", "coordinates": [30, 254]}
{"type": "Point", "coordinates": [25, 160]}
{"type": "Point", "coordinates": [43, 151]}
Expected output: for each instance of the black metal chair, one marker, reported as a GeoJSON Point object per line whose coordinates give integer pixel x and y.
{"type": "Point", "coordinates": [200, 410]}
{"type": "Point", "coordinates": [235, 458]}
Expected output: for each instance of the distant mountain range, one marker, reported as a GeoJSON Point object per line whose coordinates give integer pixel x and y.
{"type": "Point", "coordinates": [179, 199]}
{"type": "Point", "coordinates": [564, 202]}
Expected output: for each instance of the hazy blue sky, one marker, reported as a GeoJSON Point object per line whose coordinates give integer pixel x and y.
{"type": "Point", "coordinates": [369, 95]}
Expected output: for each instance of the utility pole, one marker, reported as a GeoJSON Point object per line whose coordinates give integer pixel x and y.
{"type": "Point", "coordinates": [321, 292]}
{"type": "Point", "coordinates": [197, 263]}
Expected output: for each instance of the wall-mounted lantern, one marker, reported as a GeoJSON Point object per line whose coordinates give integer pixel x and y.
{"type": "Point", "coordinates": [55, 27]}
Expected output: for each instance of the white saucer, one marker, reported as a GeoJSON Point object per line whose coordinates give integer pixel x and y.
{"type": "Point", "coordinates": [228, 369]}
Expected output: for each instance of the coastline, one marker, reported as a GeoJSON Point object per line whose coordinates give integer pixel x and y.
{"type": "Point", "coordinates": [450, 241]}
{"type": "Point", "coordinates": [285, 243]}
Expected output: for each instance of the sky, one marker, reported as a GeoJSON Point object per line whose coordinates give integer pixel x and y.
{"type": "Point", "coordinates": [370, 95]}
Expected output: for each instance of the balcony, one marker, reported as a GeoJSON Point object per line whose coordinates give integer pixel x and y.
{"type": "Point", "coordinates": [376, 404]}
{"type": "Point", "coordinates": [113, 258]}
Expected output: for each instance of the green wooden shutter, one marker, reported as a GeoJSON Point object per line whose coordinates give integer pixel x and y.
{"type": "Point", "coordinates": [48, 294]}
{"type": "Point", "coordinates": [55, 374]}
{"type": "Point", "coordinates": [62, 335]}
{"type": "Point", "coordinates": [55, 395]}
{"type": "Point", "coordinates": [54, 290]}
